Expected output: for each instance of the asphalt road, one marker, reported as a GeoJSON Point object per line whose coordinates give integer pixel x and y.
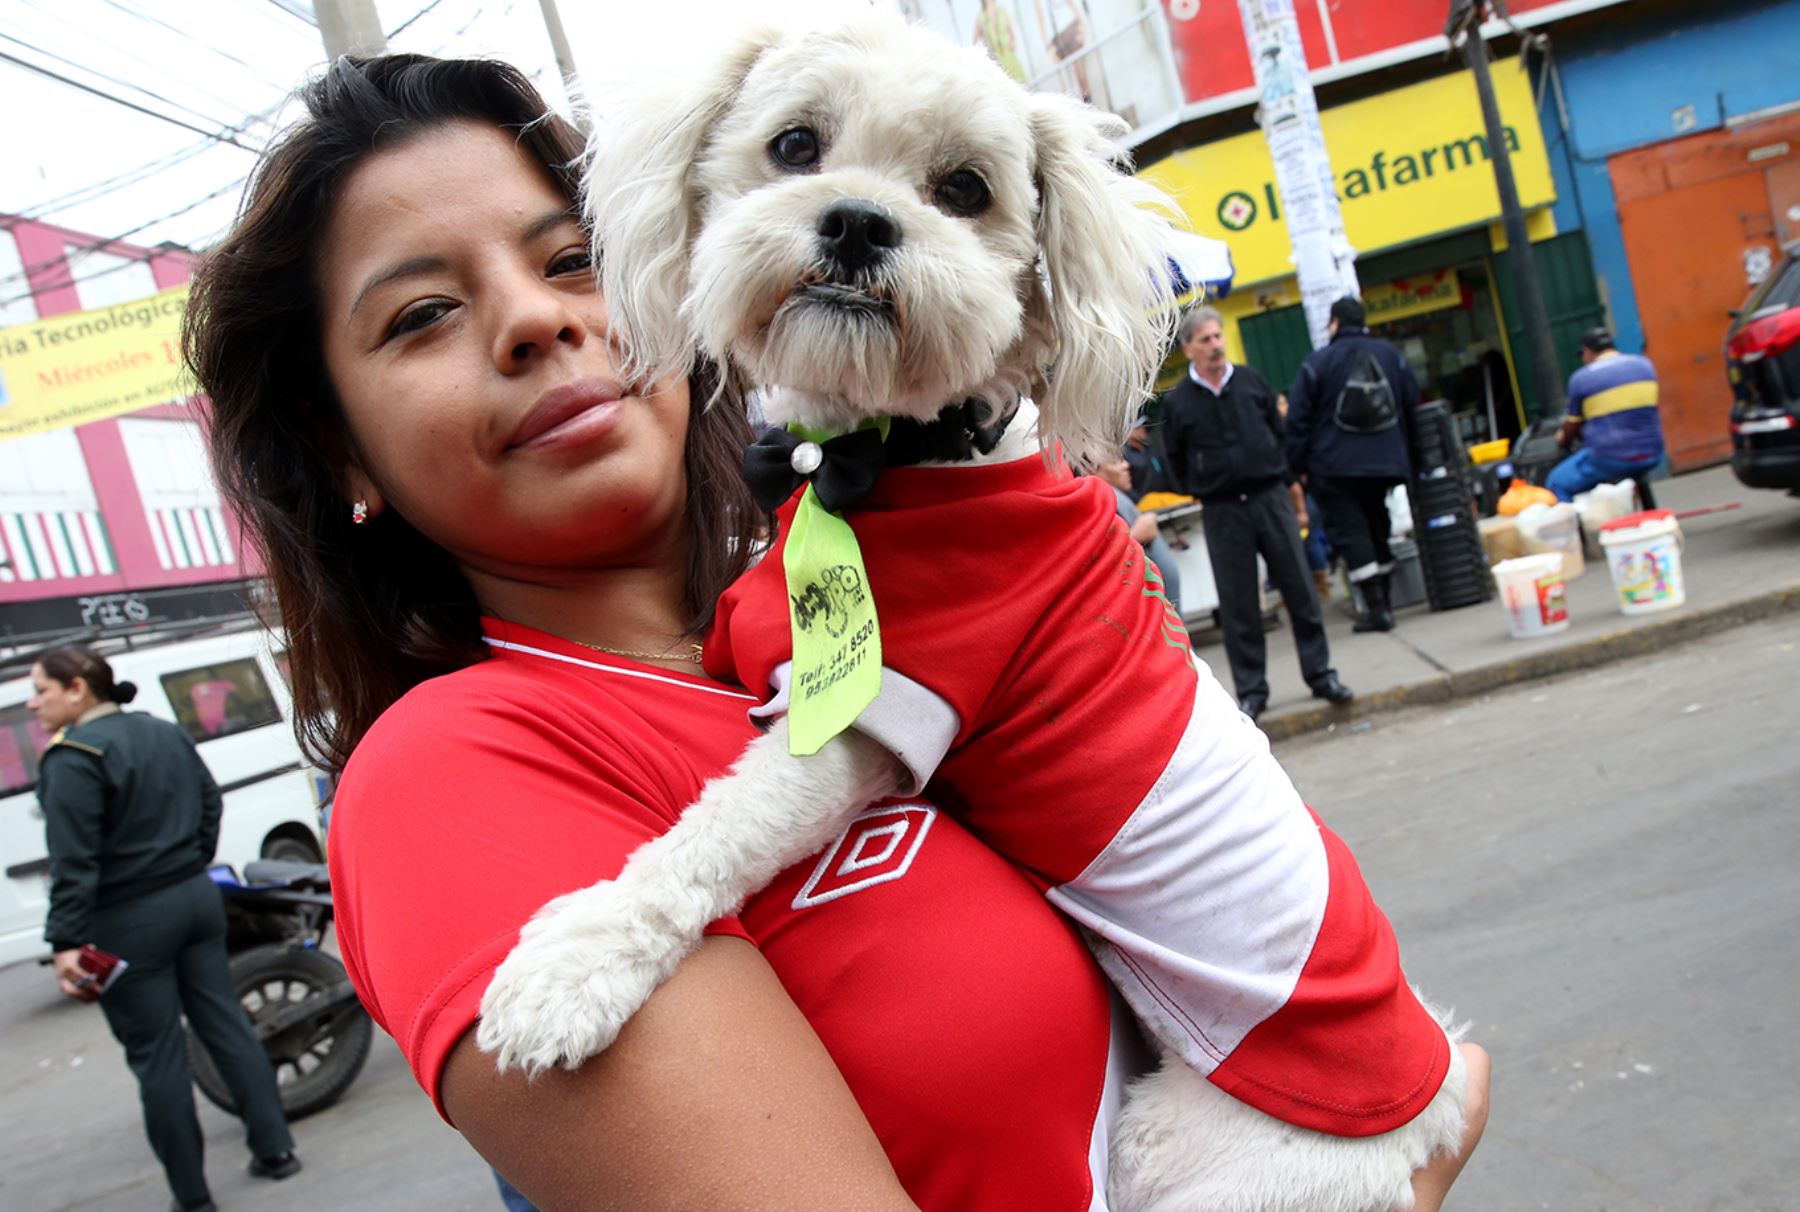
{"type": "Point", "coordinates": [1602, 873]}
{"type": "Point", "coordinates": [1599, 872]}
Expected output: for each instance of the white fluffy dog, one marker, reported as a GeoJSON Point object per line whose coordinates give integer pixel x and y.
{"type": "Point", "coordinates": [868, 223]}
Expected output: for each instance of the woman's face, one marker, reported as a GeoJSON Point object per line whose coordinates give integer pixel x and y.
{"type": "Point", "coordinates": [57, 705]}
{"type": "Point", "coordinates": [467, 343]}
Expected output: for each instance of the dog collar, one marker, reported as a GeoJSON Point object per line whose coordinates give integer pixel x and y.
{"type": "Point", "coordinates": [843, 468]}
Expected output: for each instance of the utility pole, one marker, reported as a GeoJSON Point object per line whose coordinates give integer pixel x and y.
{"type": "Point", "coordinates": [349, 27]}
{"type": "Point", "coordinates": [559, 42]}
{"type": "Point", "coordinates": [1546, 378]}
{"type": "Point", "coordinates": [1324, 262]}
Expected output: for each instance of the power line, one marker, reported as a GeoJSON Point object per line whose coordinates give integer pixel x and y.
{"type": "Point", "coordinates": [87, 34]}
{"type": "Point", "coordinates": [312, 22]}
{"type": "Point", "coordinates": [101, 245]}
{"type": "Point", "coordinates": [131, 105]}
{"type": "Point", "coordinates": [99, 189]}
{"type": "Point", "coordinates": [464, 27]}
{"type": "Point", "coordinates": [217, 50]}
{"type": "Point", "coordinates": [136, 88]}
{"type": "Point", "coordinates": [395, 32]}
{"type": "Point", "coordinates": [131, 176]}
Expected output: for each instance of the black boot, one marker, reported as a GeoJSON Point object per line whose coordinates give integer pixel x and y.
{"type": "Point", "coordinates": [1378, 613]}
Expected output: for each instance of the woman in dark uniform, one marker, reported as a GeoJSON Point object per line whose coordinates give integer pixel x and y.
{"type": "Point", "coordinates": [132, 817]}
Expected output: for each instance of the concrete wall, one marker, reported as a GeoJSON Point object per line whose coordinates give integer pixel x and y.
{"type": "Point", "coordinates": [1640, 80]}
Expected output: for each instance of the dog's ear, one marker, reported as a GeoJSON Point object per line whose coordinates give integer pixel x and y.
{"type": "Point", "coordinates": [641, 208]}
{"type": "Point", "coordinates": [1106, 307]}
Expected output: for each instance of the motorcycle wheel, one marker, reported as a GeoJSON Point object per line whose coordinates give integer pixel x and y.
{"type": "Point", "coordinates": [316, 1059]}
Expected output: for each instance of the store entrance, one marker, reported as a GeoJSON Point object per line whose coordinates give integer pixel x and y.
{"type": "Point", "coordinates": [1447, 324]}
{"type": "Point", "coordinates": [1448, 327]}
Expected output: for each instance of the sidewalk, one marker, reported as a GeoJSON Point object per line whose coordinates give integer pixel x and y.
{"type": "Point", "coordinates": [1740, 566]}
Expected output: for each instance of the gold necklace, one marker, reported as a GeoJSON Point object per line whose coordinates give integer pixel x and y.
{"type": "Point", "coordinates": [692, 656]}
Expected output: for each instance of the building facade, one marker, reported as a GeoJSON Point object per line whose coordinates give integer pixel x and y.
{"type": "Point", "coordinates": [1680, 127]}
{"type": "Point", "coordinates": [117, 524]}
{"type": "Point", "coordinates": [1653, 140]}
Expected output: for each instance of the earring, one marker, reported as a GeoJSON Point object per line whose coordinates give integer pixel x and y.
{"type": "Point", "coordinates": [359, 513]}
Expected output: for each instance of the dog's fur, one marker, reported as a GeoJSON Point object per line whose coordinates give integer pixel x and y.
{"type": "Point", "coordinates": [705, 238]}
{"type": "Point", "coordinates": [1057, 293]}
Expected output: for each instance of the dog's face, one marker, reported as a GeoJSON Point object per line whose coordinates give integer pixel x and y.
{"type": "Point", "coordinates": [866, 226]}
{"type": "Point", "coordinates": [874, 222]}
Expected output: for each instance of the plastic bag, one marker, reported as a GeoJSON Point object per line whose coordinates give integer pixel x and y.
{"type": "Point", "coordinates": [1515, 499]}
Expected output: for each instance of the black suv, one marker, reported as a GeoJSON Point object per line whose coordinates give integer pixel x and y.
{"type": "Point", "coordinates": [1762, 358]}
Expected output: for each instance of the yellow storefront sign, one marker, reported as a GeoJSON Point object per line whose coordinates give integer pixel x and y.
{"type": "Point", "coordinates": [1411, 296]}
{"type": "Point", "coordinates": [89, 365]}
{"type": "Point", "coordinates": [1409, 164]}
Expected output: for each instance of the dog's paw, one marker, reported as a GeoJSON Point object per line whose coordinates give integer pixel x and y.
{"type": "Point", "coordinates": [583, 966]}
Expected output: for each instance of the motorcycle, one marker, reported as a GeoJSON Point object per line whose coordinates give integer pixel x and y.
{"type": "Point", "coordinates": [298, 998]}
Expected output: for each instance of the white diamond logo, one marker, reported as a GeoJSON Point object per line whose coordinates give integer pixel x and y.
{"type": "Point", "coordinates": [879, 846]}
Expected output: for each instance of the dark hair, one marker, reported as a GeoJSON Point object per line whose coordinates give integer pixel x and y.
{"type": "Point", "coordinates": [370, 613]}
{"type": "Point", "coordinates": [73, 661]}
{"type": "Point", "coordinates": [1348, 312]}
{"type": "Point", "coordinates": [1596, 340]}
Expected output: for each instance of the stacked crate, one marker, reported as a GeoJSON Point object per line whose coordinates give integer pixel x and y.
{"type": "Point", "coordinates": [1443, 505]}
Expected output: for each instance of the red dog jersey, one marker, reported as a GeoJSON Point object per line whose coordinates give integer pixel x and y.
{"type": "Point", "coordinates": [1050, 695]}
{"type": "Point", "coordinates": [485, 793]}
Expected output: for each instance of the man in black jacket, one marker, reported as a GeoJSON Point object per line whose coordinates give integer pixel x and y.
{"type": "Point", "coordinates": [1349, 436]}
{"type": "Point", "coordinates": [1224, 436]}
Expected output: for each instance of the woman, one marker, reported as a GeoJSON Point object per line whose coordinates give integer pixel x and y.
{"type": "Point", "coordinates": [131, 816]}
{"type": "Point", "coordinates": [492, 559]}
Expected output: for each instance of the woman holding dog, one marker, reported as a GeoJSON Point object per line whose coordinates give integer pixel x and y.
{"type": "Point", "coordinates": [493, 560]}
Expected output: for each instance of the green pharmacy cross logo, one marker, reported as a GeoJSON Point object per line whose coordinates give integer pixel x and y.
{"type": "Point", "coordinates": [1237, 210]}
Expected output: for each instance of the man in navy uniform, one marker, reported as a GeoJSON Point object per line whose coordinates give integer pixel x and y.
{"type": "Point", "coordinates": [1349, 437]}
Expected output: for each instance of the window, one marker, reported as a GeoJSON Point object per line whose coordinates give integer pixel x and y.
{"type": "Point", "coordinates": [1784, 287]}
{"type": "Point", "coordinates": [218, 700]}
{"type": "Point", "coordinates": [22, 740]}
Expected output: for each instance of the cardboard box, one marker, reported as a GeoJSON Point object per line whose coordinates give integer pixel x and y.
{"type": "Point", "coordinates": [1500, 539]}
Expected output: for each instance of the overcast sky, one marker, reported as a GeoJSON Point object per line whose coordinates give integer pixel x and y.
{"type": "Point", "coordinates": [89, 164]}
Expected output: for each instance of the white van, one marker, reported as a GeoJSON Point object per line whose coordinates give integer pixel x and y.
{"type": "Point", "coordinates": [229, 692]}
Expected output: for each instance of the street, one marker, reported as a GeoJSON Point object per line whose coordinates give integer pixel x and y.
{"type": "Point", "coordinates": [1598, 872]}
{"type": "Point", "coordinates": [73, 1137]}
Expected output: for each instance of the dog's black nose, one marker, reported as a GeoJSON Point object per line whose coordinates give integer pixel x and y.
{"type": "Point", "coordinates": [857, 234]}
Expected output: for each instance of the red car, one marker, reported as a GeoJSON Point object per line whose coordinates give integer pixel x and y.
{"type": "Point", "coordinates": [1762, 359]}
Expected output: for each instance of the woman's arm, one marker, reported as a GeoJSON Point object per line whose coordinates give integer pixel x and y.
{"type": "Point", "coordinates": [716, 1095]}
{"type": "Point", "coordinates": [72, 789]}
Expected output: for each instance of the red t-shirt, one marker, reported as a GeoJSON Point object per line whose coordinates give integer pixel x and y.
{"type": "Point", "coordinates": [1046, 690]}
{"type": "Point", "coordinates": [966, 1016]}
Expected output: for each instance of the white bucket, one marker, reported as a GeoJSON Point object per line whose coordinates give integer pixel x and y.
{"type": "Point", "coordinates": [1533, 593]}
{"type": "Point", "coordinates": [1643, 553]}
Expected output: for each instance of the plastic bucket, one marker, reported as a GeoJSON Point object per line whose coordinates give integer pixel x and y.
{"type": "Point", "coordinates": [1534, 595]}
{"type": "Point", "coordinates": [1643, 553]}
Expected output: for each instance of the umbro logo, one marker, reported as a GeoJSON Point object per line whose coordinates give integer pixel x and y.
{"type": "Point", "coordinates": [878, 846]}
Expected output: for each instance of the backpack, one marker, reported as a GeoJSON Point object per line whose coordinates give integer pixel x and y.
{"type": "Point", "coordinates": [1366, 404]}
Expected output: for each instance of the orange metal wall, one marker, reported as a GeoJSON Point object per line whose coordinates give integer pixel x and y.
{"type": "Point", "coordinates": [1691, 209]}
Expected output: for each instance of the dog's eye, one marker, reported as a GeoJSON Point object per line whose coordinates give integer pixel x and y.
{"type": "Point", "coordinates": [964, 192]}
{"type": "Point", "coordinates": [797, 148]}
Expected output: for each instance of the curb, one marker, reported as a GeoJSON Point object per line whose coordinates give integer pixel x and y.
{"type": "Point", "coordinates": [1604, 649]}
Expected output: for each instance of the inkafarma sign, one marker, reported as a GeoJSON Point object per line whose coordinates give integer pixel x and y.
{"type": "Point", "coordinates": [85, 366]}
{"type": "Point", "coordinates": [1408, 164]}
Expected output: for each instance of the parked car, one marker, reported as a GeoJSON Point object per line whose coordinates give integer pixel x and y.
{"type": "Point", "coordinates": [1762, 359]}
{"type": "Point", "coordinates": [229, 692]}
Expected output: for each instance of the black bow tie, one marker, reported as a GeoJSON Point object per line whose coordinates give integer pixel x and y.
{"type": "Point", "coordinates": [842, 469]}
